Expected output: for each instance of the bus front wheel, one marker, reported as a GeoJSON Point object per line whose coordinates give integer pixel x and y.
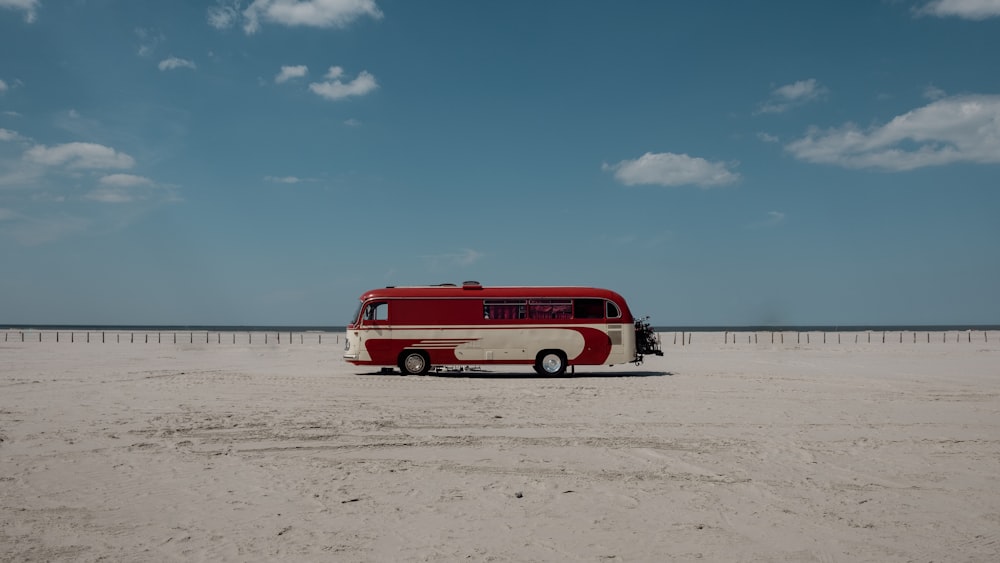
{"type": "Point", "coordinates": [551, 363]}
{"type": "Point", "coordinates": [414, 362]}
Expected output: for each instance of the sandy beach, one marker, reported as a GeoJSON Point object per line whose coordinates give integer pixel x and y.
{"type": "Point", "coordinates": [728, 448]}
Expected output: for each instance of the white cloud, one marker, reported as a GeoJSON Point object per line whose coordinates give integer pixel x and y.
{"type": "Point", "coordinates": [352, 122]}
{"type": "Point", "coordinates": [289, 72]}
{"type": "Point", "coordinates": [669, 169]}
{"type": "Point", "coordinates": [335, 89]}
{"type": "Point", "coordinates": [792, 95]}
{"type": "Point", "coordinates": [111, 195]}
{"type": "Point", "coordinates": [125, 188]}
{"type": "Point", "coordinates": [11, 136]}
{"type": "Point", "coordinates": [148, 41]}
{"type": "Point", "coordinates": [966, 9]}
{"type": "Point", "coordinates": [79, 155]}
{"type": "Point", "coordinates": [125, 180]}
{"type": "Point", "coordinates": [288, 179]}
{"type": "Point", "coordinates": [932, 92]}
{"type": "Point", "coordinates": [947, 131]}
{"type": "Point", "coordinates": [312, 13]}
{"type": "Point", "coordinates": [3, 85]}
{"type": "Point", "coordinates": [224, 14]}
{"type": "Point", "coordinates": [29, 7]}
{"type": "Point", "coordinates": [175, 62]}
{"type": "Point", "coordinates": [767, 137]}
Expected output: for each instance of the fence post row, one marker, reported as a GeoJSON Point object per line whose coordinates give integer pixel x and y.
{"type": "Point", "coordinates": [686, 338]}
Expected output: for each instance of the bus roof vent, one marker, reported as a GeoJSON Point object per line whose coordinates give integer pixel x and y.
{"type": "Point", "coordinates": [471, 285]}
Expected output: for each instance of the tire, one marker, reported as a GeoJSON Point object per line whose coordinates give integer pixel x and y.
{"type": "Point", "coordinates": [551, 363]}
{"type": "Point", "coordinates": [414, 362]}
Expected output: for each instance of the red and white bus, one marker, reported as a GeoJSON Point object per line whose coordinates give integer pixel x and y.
{"type": "Point", "coordinates": [550, 328]}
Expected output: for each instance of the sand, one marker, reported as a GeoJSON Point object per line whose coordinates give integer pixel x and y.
{"type": "Point", "coordinates": [138, 449]}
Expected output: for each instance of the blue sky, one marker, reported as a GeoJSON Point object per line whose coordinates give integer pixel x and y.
{"type": "Point", "coordinates": [717, 163]}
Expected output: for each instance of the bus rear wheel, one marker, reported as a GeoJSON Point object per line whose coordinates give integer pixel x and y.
{"type": "Point", "coordinates": [551, 363]}
{"type": "Point", "coordinates": [414, 362]}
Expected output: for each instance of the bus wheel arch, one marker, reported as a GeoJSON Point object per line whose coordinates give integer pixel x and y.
{"type": "Point", "coordinates": [414, 362]}
{"type": "Point", "coordinates": [551, 363]}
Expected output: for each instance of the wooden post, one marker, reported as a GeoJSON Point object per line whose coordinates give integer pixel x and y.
{"type": "Point", "coordinates": [102, 337]}
{"type": "Point", "coordinates": [57, 337]}
{"type": "Point", "coordinates": [798, 338]}
{"type": "Point", "coordinates": [131, 338]}
{"type": "Point", "coordinates": [725, 338]}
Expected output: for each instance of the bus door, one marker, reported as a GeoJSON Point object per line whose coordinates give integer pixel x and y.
{"type": "Point", "coordinates": [376, 332]}
{"type": "Point", "coordinates": [618, 333]}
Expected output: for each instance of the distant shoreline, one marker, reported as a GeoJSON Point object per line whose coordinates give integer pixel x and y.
{"type": "Point", "coordinates": [335, 329]}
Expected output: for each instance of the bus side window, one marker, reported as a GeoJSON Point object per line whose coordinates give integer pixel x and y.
{"type": "Point", "coordinates": [613, 311]}
{"type": "Point", "coordinates": [588, 308]}
{"type": "Point", "coordinates": [377, 312]}
{"type": "Point", "coordinates": [503, 309]}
